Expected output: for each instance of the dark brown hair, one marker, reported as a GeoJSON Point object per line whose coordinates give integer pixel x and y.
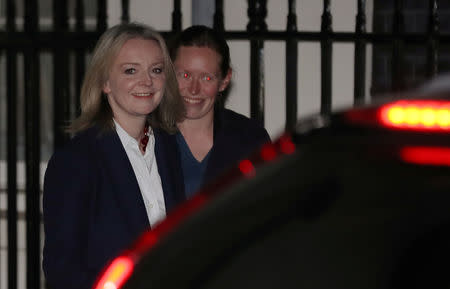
{"type": "Point", "coordinates": [203, 36]}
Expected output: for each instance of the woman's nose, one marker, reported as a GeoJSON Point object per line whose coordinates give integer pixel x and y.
{"type": "Point", "coordinates": [194, 86]}
{"type": "Point", "coordinates": [148, 79]}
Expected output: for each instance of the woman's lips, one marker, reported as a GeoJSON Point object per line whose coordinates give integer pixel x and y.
{"type": "Point", "coordinates": [143, 94]}
{"type": "Point", "coordinates": [192, 100]}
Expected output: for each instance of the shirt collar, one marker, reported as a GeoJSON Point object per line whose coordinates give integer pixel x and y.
{"type": "Point", "coordinates": [125, 138]}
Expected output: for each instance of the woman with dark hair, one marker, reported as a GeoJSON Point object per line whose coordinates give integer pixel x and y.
{"type": "Point", "coordinates": [211, 138]}
{"type": "Point", "coordinates": [114, 179]}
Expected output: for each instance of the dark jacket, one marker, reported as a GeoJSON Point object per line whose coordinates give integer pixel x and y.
{"type": "Point", "coordinates": [235, 137]}
{"type": "Point", "coordinates": [93, 208]}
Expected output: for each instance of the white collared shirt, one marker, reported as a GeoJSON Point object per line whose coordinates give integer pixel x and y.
{"type": "Point", "coordinates": [146, 171]}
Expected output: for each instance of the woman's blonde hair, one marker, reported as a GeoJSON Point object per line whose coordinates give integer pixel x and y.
{"type": "Point", "coordinates": [95, 109]}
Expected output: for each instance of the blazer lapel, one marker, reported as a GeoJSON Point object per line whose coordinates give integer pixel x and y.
{"type": "Point", "coordinates": [126, 192]}
{"type": "Point", "coordinates": [169, 169]}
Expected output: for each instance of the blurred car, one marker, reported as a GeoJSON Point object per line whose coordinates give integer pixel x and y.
{"type": "Point", "coordinates": [358, 199]}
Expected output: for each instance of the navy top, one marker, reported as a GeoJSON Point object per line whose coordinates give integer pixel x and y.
{"type": "Point", "coordinates": [193, 170]}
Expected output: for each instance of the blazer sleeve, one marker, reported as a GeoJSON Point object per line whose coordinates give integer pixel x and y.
{"type": "Point", "coordinates": [68, 192]}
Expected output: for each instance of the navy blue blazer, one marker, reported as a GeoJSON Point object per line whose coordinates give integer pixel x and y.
{"type": "Point", "coordinates": [93, 207]}
{"type": "Point", "coordinates": [235, 137]}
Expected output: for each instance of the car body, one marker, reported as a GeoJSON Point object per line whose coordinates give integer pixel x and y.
{"type": "Point", "coordinates": [357, 199]}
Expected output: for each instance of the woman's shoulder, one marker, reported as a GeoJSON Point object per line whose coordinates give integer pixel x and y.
{"type": "Point", "coordinates": [79, 147]}
{"type": "Point", "coordinates": [234, 120]}
{"type": "Point", "coordinates": [229, 116]}
{"type": "Point", "coordinates": [83, 139]}
{"type": "Point", "coordinates": [235, 125]}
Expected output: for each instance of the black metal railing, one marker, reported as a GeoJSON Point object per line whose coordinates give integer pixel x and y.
{"type": "Point", "coordinates": [62, 42]}
{"type": "Point", "coordinates": [11, 91]}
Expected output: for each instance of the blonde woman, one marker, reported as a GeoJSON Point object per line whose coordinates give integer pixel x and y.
{"type": "Point", "coordinates": [114, 179]}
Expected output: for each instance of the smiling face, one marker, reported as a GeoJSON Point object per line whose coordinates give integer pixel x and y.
{"type": "Point", "coordinates": [136, 80]}
{"type": "Point", "coordinates": [199, 79]}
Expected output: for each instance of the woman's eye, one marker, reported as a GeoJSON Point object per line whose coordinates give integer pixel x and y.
{"type": "Point", "coordinates": [207, 77]}
{"type": "Point", "coordinates": [157, 70]}
{"type": "Point", "coordinates": [183, 75]}
{"type": "Point", "coordinates": [130, 71]}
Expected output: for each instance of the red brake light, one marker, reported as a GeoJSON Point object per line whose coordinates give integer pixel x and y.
{"type": "Point", "coordinates": [439, 156]}
{"type": "Point", "coordinates": [268, 152]}
{"type": "Point", "coordinates": [247, 169]}
{"type": "Point", "coordinates": [287, 146]}
{"type": "Point", "coordinates": [116, 274]}
{"type": "Point", "coordinates": [423, 115]}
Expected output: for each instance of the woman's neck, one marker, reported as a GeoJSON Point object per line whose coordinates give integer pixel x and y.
{"type": "Point", "coordinates": [199, 136]}
{"type": "Point", "coordinates": [189, 127]}
{"type": "Point", "coordinates": [134, 127]}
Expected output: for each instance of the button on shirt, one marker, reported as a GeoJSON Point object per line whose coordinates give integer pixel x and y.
{"type": "Point", "coordinates": [146, 172]}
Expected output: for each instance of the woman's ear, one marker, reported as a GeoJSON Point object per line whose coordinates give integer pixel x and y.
{"type": "Point", "coordinates": [106, 89]}
{"type": "Point", "coordinates": [226, 81]}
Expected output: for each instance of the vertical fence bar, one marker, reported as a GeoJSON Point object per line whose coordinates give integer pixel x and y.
{"type": "Point", "coordinates": [32, 146]}
{"type": "Point", "coordinates": [433, 39]}
{"type": "Point", "coordinates": [61, 94]}
{"type": "Point", "coordinates": [360, 54]}
{"type": "Point", "coordinates": [125, 11]}
{"type": "Point", "coordinates": [397, 51]}
{"type": "Point", "coordinates": [219, 27]}
{"type": "Point", "coordinates": [291, 68]}
{"type": "Point", "coordinates": [11, 92]}
{"type": "Point", "coordinates": [176, 16]}
{"type": "Point", "coordinates": [219, 24]}
{"type": "Point", "coordinates": [326, 58]}
{"type": "Point", "coordinates": [79, 54]}
{"type": "Point", "coordinates": [257, 12]}
{"type": "Point", "coordinates": [79, 16]}
{"type": "Point", "coordinates": [101, 15]}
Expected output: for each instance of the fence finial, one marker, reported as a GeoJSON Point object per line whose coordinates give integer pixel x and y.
{"type": "Point", "coordinates": [125, 11]}
{"type": "Point", "coordinates": [326, 48]}
{"type": "Point", "coordinates": [291, 69]}
{"type": "Point", "coordinates": [79, 15]}
{"type": "Point", "coordinates": [326, 17]}
{"type": "Point", "coordinates": [433, 39]}
{"type": "Point", "coordinates": [397, 81]}
{"type": "Point", "coordinates": [257, 12]}
{"type": "Point", "coordinates": [359, 89]}
{"type": "Point", "coordinates": [176, 16]}
{"type": "Point", "coordinates": [101, 15]}
{"type": "Point", "coordinates": [361, 17]}
{"type": "Point", "coordinates": [218, 17]}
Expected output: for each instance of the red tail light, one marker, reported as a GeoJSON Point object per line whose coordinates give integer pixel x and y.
{"type": "Point", "coordinates": [247, 169]}
{"type": "Point", "coordinates": [116, 274]}
{"type": "Point", "coordinates": [287, 146]}
{"type": "Point", "coordinates": [268, 152]}
{"type": "Point", "coordinates": [438, 156]}
{"type": "Point", "coordinates": [422, 115]}
{"type": "Point", "coordinates": [419, 115]}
